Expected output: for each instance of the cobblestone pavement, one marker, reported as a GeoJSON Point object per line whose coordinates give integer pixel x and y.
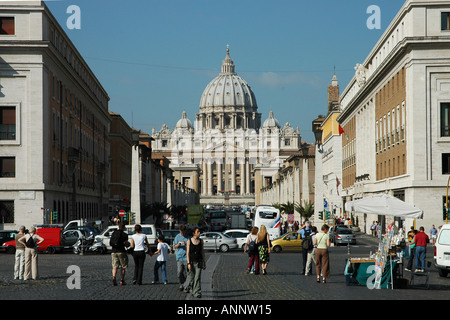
{"type": "Point", "coordinates": [224, 279]}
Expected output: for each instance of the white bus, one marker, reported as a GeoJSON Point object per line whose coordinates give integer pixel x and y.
{"type": "Point", "coordinates": [271, 218]}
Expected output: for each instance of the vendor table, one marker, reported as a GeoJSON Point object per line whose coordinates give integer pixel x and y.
{"type": "Point", "coordinates": [359, 270]}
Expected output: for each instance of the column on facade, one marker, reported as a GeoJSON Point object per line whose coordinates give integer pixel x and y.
{"type": "Point", "coordinates": [248, 176]}
{"type": "Point", "coordinates": [243, 176]}
{"type": "Point", "coordinates": [233, 175]}
{"type": "Point", "coordinates": [204, 184]}
{"type": "Point", "coordinates": [219, 176]}
{"type": "Point", "coordinates": [169, 192]}
{"type": "Point", "coordinates": [305, 181]}
{"type": "Point", "coordinates": [210, 178]}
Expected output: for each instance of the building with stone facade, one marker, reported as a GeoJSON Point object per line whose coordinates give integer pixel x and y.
{"type": "Point", "coordinates": [54, 123]}
{"type": "Point", "coordinates": [328, 155]}
{"type": "Point", "coordinates": [394, 113]}
{"type": "Point", "coordinates": [228, 155]}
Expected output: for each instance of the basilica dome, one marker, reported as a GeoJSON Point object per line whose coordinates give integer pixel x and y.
{"type": "Point", "coordinates": [184, 122]}
{"type": "Point", "coordinates": [271, 121]}
{"type": "Point", "coordinates": [228, 89]}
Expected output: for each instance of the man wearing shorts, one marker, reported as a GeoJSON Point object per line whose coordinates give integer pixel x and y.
{"type": "Point", "coordinates": [119, 255]}
{"type": "Point", "coordinates": [433, 235]}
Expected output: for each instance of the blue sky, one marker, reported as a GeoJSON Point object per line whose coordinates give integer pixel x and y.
{"type": "Point", "coordinates": [155, 57]}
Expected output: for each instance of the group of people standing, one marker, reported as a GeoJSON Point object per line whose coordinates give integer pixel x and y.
{"type": "Point", "coordinates": [418, 241]}
{"type": "Point", "coordinates": [189, 254]}
{"type": "Point", "coordinates": [26, 257]}
{"type": "Point", "coordinates": [138, 247]}
{"type": "Point", "coordinates": [258, 248]}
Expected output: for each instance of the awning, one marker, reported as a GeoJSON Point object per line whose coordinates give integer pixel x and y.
{"type": "Point", "coordinates": [384, 204]}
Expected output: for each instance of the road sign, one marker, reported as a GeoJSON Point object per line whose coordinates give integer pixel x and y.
{"type": "Point", "coordinates": [122, 213]}
{"type": "Point", "coordinates": [166, 216]}
{"type": "Point", "coordinates": [291, 217]}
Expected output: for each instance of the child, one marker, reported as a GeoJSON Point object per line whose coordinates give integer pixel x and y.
{"type": "Point", "coordinates": [162, 252]}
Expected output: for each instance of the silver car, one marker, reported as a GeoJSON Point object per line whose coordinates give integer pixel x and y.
{"type": "Point", "coordinates": [344, 236]}
{"type": "Point", "coordinates": [218, 241]}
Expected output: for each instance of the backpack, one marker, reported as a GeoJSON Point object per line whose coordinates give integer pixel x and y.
{"type": "Point", "coordinates": [30, 242]}
{"type": "Point", "coordinates": [115, 238]}
{"type": "Point", "coordinates": [307, 243]}
{"type": "Point", "coordinates": [252, 246]}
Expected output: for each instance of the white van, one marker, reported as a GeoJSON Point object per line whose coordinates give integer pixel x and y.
{"type": "Point", "coordinates": [147, 229]}
{"type": "Point", "coordinates": [442, 251]}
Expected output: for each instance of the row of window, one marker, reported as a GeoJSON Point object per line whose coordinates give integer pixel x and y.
{"type": "Point", "coordinates": [390, 129]}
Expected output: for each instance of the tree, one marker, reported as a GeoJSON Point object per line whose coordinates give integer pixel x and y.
{"type": "Point", "coordinates": [306, 210]}
{"type": "Point", "coordinates": [288, 207]}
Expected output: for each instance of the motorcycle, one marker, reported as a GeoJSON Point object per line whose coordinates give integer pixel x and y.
{"type": "Point", "coordinates": [89, 244]}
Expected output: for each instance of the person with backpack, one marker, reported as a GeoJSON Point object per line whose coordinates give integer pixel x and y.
{"type": "Point", "coordinates": [119, 257]}
{"type": "Point", "coordinates": [252, 249]}
{"type": "Point", "coordinates": [311, 251]}
{"type": "Point", "coordinates": [31, 241]}
{"type": "Point", "coordinates": [305, 232]}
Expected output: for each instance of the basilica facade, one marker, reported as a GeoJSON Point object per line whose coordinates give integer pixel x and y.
{"type": "Point", "coordinates": [227, 156]}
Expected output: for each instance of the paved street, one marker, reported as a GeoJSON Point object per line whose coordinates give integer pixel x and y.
{"type": "Point", "coordinates": [224, 279]}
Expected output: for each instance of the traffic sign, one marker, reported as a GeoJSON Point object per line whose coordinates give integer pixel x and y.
{"type": "Point", "coordinates": [291, 217]}
{"type": "Point", "coordinates": [122, 213]}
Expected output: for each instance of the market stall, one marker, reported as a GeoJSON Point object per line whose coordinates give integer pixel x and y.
{"type": "Point", "coordinates": [382, 267]}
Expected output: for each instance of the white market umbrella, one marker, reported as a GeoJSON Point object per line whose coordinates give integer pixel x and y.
{"type": "Point", "coordinates": [384, 204]}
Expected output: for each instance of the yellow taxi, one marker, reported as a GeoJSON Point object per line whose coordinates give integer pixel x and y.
{"type": "Point", "coordinates": [291, 241]}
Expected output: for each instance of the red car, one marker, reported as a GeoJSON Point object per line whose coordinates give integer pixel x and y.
{"type": "Point", "coordinates": [53, 241]}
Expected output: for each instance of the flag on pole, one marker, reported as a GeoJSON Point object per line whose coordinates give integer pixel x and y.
{"type": "Point", "coordinates": [337, 185]}
{"type": "Point", "coordinates": [341, 130]}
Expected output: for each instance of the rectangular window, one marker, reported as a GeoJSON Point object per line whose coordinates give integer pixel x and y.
{"type": "Point", "coordinates": [445, 21]}
{"type": "Point", "coordinates": [445, 119]}
{"type": "Point", "coordinates": [7, 123]}
{"type": "Point", "coordinates": [7, 25]}
{"type": "Point", "coordinates": [445, 163]}
{"type": "Point", "coordinates": [7, 211]}
{"type": "Point", "coordinates": [7, 167]}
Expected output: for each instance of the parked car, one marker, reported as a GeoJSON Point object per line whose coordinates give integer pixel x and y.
{"type": "Point", "coordinates": [291, 241]}
{"type": "Point", "coordinates": [442, 251]}
{"type": "Point", "coordinates": [218, 240]}
{"type": "Point", "coordinates": [5, 236]}
{"type": "Point", "coordinates": [239, 234]}
{"type": "Point", "coordinates": [147, 229]}
{"type": "Point", "coordinates": [344, 236]}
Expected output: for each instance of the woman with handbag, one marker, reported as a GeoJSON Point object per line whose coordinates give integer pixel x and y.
{"type": "Point", "coordinates": [138, 243]}
{"type": "Point", "coordinates": [322, 242]}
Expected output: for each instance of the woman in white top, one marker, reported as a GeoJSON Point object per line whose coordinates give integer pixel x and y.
{"type": "Point", "coordinates": [138, 243]}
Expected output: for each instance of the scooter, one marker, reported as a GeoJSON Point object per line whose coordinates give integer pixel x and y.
{"type": "Point", "coordinates": [89, 244]}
